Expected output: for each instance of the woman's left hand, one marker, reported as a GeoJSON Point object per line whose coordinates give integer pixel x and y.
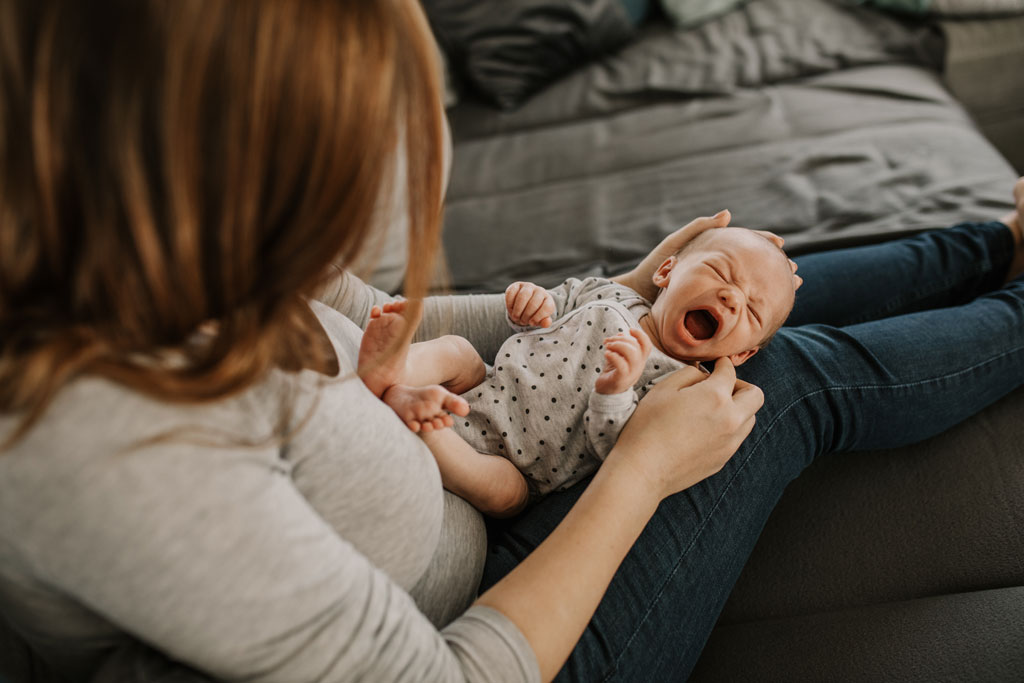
{"type": "Point", "coordinates": [639, 279]}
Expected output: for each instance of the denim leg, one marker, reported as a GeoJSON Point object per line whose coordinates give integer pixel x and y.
{"type": "Point", "coordinates": [875, 384]}
{"type": "Point", "coordinates": [937, 268]}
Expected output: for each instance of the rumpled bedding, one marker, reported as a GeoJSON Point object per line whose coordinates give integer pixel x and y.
{"type": "Point", "coordinates": [824, 122]}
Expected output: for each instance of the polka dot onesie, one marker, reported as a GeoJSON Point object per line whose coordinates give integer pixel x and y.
{"type": "Point", "coordinates": [537, 405]}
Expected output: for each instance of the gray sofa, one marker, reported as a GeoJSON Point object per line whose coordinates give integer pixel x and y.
{"type": "Point", "coordinates": [831, 125]}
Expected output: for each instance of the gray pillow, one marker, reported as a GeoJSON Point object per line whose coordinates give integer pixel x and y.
{"type": "Point", "coordinates": [508, 49]}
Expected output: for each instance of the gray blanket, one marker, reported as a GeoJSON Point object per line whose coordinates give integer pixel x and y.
{"type": "Point", "coordinates": [826, 123]}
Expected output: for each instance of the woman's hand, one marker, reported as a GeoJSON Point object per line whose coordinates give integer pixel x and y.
{"type": "Point", "coordinates": [639, 279]}
{"type": "Point", "coordinates": [688, 426]}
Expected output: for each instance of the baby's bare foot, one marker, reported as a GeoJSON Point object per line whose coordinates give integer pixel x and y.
{"type": "Point", "coordinates": [384, 349]}
{"type": "Point", "coordinates": [425, 408]}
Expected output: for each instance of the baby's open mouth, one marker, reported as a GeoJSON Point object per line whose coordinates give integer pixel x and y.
{"type": "Point", "coordinates": [701, 324]}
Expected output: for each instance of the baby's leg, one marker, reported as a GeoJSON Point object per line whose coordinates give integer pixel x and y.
{"type": "Point", "coordinates": [450, 361]}
{"type": "Point", "coordinates": [384, 350]}
{"type": "Point", "coordinates": [387, 358]}
{"type": "Point", "coordinates": [934, 269]}
{"type": "Point", "coordinates": [490, 483]}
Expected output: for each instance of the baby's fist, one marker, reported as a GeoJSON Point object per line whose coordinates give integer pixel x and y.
{"type": "Point", "coordinates": [529, 305]}
{"type": "Point", "coordinates": [625, 355]}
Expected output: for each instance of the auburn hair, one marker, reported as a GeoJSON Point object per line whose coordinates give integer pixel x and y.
{"type": "Point", "coordinates": [176, 165]}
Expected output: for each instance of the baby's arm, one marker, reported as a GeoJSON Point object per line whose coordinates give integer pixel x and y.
{"type": "Point", "coordinates": [418, 381]}
{"type": "Point", "coordinates": [490, 483]}
{"type": "Point", "coordinates": [614, 400]}
{"type": "Point", "coordinates": [606, 415]}
{"type": "Point", "coordinates": [450, 361]}
{"type": "Point", "coordinates": [528, 305]}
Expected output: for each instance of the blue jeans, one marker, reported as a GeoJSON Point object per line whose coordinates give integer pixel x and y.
{"type": "Point", "coordinates": [887, 345]}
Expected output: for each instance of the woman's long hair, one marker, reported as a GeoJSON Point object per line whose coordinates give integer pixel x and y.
{"type": "Point", "coordinates": [171, 165]}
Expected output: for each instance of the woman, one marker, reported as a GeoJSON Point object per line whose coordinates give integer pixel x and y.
{"type": "Point", "coordinates": [189, 459]}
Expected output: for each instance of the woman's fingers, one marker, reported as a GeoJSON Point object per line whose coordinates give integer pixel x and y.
{"type": "Point", "coordinates": [688, 426]}
{"type": "Point", "coordinates": [676, 240]}
{"type": "Point", "coordinates": [748, 396]}
{"type": "Point", "coordinates": [639, 279]}
{"type": "Point", "coordinates": [771, 237]}
{"type": "Point", "coordinates": [683, 377]}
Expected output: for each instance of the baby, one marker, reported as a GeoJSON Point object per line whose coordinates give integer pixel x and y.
{"type": "Point", "coordinates": [560, 390]}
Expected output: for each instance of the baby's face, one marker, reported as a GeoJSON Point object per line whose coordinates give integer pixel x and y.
{"type": "Point", "coordinates": [723, 296]}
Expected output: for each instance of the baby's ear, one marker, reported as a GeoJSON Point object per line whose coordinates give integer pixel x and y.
{"type": "Point", "coordinates": [742, 357]}
{"type": "Point", "coordinates": [661, 275]}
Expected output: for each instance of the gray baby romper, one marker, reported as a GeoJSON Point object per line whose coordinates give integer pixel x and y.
{"type": "Point", "coordinates": [537, 405]}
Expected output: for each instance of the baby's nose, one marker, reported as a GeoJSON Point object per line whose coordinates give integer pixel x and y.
{"type": "Point", "coordinates": [731, 297]}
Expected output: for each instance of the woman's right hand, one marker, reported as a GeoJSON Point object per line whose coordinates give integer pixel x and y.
{"type": "Point", "coordinates": [688, 426]}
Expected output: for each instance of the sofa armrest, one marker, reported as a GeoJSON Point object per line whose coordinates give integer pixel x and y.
{"type": "Point", "coordinates": [983, 60]}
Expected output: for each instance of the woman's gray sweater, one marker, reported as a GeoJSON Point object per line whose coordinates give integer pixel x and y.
{"type": "Point", "coordinates": [326, 558]}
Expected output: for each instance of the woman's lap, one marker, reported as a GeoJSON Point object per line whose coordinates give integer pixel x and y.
{"type": "Point", "coordinates": [890, 382]}
{"type": "Point", "coordinates": [936, 268]}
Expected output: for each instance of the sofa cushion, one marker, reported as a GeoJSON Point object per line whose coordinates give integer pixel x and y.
{"type": "Point", "coordinates": [900, 565]}
{"type": "Point", "coordinates": [856, 529]}
{"type": "Point", "coordinates": [956, 637]}
{"type": "Point", "coordinates": [508, 50]}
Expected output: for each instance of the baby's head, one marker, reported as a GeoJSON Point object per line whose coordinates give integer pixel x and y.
{"type": "Point", "coordinates": [723, 294]}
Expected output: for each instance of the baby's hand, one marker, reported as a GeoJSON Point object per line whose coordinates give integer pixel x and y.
{"type": "Point", "coordinates": [529, 305]}
{"type": "Point", "coordinates": [624, 354]}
